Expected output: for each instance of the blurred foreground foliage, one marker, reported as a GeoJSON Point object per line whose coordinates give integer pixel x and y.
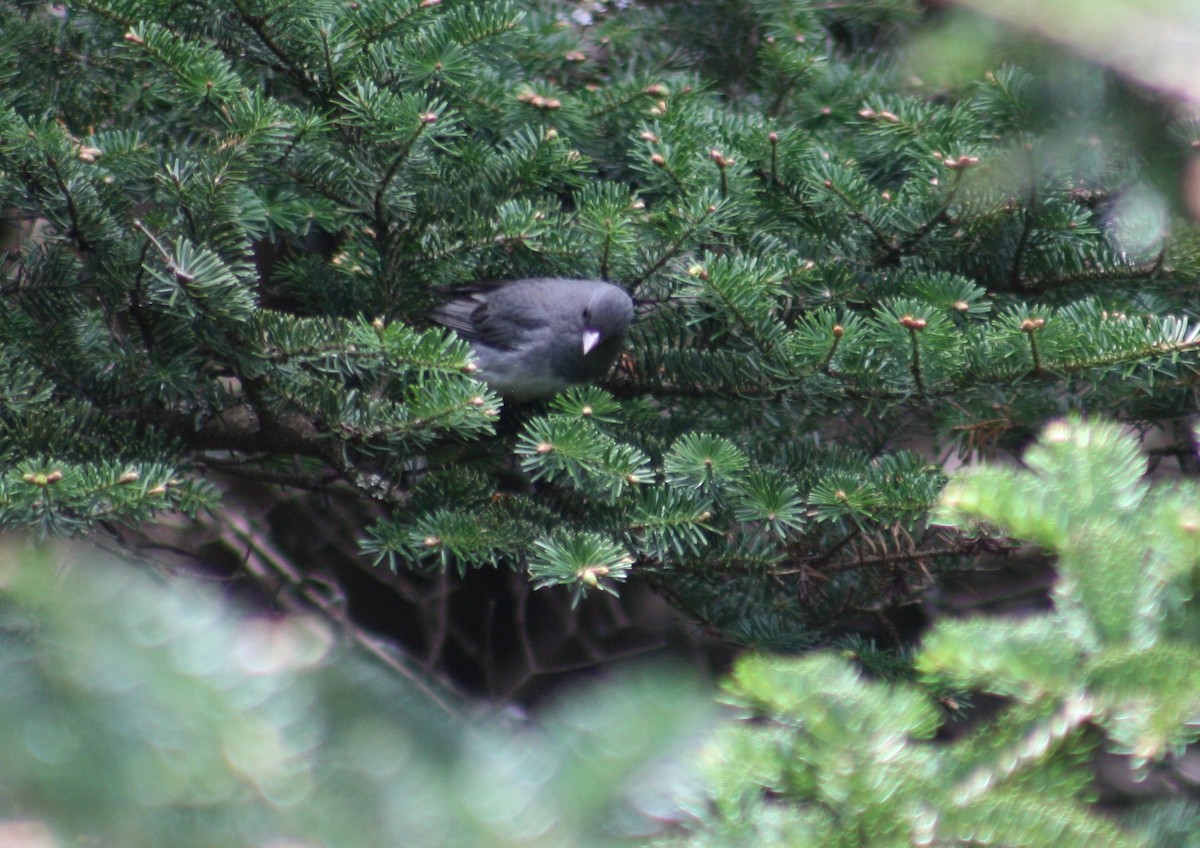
{"type": "Point", "coordinates": [141, 712]}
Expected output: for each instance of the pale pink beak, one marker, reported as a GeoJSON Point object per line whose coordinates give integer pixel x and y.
{"type": "Point", "coordinates": [591, 338]}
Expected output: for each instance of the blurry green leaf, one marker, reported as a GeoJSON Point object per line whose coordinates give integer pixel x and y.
{"type": "Point", "coordinates": [138, 711]}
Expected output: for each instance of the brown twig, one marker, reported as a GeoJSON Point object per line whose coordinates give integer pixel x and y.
{"type": "Point", "coordinates": [263, 561]}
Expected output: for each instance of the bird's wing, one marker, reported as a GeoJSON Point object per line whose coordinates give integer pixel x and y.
{"type": "Point", "coordinates": [459, 315]}
{"type": "Point", "coordinates": [492, 314]}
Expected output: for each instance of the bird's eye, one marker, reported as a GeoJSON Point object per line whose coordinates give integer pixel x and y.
{"type": "Point", "coordinates": [587, 314]}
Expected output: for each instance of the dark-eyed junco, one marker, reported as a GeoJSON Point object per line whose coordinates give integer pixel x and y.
{"type": "Point", "coordinates": [535, 337]}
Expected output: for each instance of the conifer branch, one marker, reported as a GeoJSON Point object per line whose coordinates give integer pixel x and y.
{"type": "Point", "coordinates": [332, 87]}
{"type": "Point", "coordinates": [263, 561]}
{"type": "Point", "coordinates": [1029, 212]}
{"type": "Point", "coordinates": [382, 220]}
{"type": "Point", "coordinates": [885, 242]}
{"type": "Point", "coordinates": [940, 217]}
{"type": "Point", "coordinates": [673, 249]}
{"type": "Point", "coordinates": [1108, 274]}
{"type": "Point", "coordinates": [285, 64]}
{"type": "Point", "coordinates": [76, 232]}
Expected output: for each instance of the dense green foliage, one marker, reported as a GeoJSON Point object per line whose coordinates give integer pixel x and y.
{"type": "Point", "coordinates": [223, 225]}
{"type": "Point", "coordinates": [826, 757]}
{"type": "Point", "coordinates": [228, 220]}
{"type": "Point", "coordinates": [144, 712]}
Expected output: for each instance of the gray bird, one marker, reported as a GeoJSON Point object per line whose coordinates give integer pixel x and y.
{"type": "Point", "coordinates": [535, 337]}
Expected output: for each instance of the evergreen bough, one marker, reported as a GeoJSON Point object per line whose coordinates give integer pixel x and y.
{"type": "Point", "coordinates": [825, 755]}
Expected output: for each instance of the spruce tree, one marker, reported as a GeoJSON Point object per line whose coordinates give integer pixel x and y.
{"type": "Point", "coordinates": [224, 227]}
{"type": "Point", "coordinates": [226, 224]}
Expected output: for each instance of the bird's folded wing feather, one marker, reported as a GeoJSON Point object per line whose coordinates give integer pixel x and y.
{"type": "Point", "coordinates": [481, 316]}
{"type": "Point", "coordinates": [459, 316]}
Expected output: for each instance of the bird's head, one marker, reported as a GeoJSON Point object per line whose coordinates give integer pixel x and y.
{"type": "Point", "coordinates": [607, 315]}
